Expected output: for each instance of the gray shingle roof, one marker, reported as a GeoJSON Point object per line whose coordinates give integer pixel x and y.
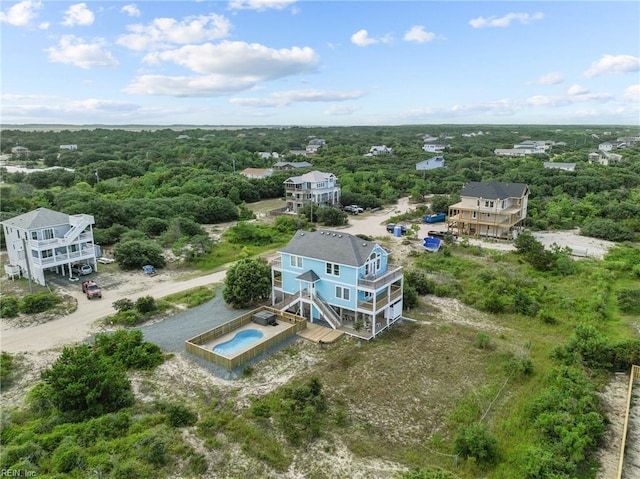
{"type": "Point", "coordinates": [311, 177]}
{"type": "Point", "coordinates": [331, 246]}
{"type": "Point", "coordinates": [38, 218]}
{"type": "Point", "coordinates": [494, 190]}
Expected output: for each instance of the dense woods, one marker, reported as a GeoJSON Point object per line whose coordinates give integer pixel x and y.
{"type": "Point", "coordinates": [144, 180]}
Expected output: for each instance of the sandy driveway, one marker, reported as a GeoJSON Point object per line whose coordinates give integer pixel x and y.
{"type": "Point", "coordinates": [80, 324]}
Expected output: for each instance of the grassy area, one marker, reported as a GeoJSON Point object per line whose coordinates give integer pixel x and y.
{"type": "Point", "coordinates": [192, 297]}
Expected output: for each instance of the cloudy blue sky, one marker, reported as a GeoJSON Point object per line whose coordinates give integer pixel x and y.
{"type": "Point", "coordinates": [288, 62]}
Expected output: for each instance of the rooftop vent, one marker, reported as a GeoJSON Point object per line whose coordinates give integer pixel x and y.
{"type": "Point", "coordinates": [339, 236]}
{"type": "Point", "coordinates": [334, 234]}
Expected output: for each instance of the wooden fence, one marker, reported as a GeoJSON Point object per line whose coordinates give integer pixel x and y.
{"type": "Point", "coordinates": [634, 376]}
{"type": "Point", "coordinates": [194, 345]}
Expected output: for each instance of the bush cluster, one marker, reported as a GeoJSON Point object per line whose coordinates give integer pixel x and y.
{"type": "Point", "coordinates": [131, 313]}
{"type": "Point", "coordinates": [33, 303]}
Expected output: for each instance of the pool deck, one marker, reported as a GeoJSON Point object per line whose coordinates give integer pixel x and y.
{"type": "Point", "coordinates": [267, 331]}
{"type": "Point", "coordinates": [320, 334]}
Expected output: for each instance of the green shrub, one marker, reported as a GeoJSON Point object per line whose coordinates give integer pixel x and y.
{"type": "Point", "coordinates": [6, 368]}
{"type": "Point", "coordinates": [68, 457]}
{"type": "Point", "coordinates": [146, 304]}
{"type": "Point", "coordinates": [483, 341]}
{"type": "Point", "coordinates": [153, 450]}
{"type": "Point", "coordinates": [9, 307]}
{"type": "Point", "coordinates": [476, 442]}
{"type": "Point", "coordinates": [39, 302]}
{"type": "Point", "coordinates": [180, 416]}
{"type": "Point", "coordinates": [129, 349]}
{"type": "Point", "coordinates": [128, 317]}
{"type": "Point", "coordinates": [124, 304]}
{"type": "Point", "coordinates": [629, 300]}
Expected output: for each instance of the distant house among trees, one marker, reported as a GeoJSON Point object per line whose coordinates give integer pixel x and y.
{"type": "Point", "coordinates": [314, 146]}
{"type": "Point", "coordinates": [256, 173]}
{"type": "Point", "coordinates": [603, 158]}
{"type": "Point", "coordinates": [68, 147]}
{"type": "Point", "coordinates": [434, 147]}
{"type": "Point", "coordinates": [20, 151]}
{"type": "Point", "coordinates": [559, 166]}
{"type": "Point", "coordinates": [379, 150]}
{"type": "Point", "coordinates": [527, 147]}
{"type": "Point", "coordinates": [291, 165]}
{"type": "Point", "coordinates": [265, 155]}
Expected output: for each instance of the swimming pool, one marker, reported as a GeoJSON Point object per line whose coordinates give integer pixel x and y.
{"type": "Point", "coordinates": [238, 342]}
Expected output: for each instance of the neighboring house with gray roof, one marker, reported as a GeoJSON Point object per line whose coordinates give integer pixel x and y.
{"type": "Point", "coordinates": [603, 157]}
{"type": "Point", "coordinates": [491, 209]}
{"type": "Point", "coordinates": [291, 165]}
{"type": "Point", "coordinates": [46, 240]}
{"type": "Point", "coordinates": [339, 279]}
{"type": "Point", "coordinates": [559, 166]}
{"type": "Point", "coordinates": [315, 187]}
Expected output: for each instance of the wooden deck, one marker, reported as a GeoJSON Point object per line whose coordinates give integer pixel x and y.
{"type": "Point", "coordinates": [320, 334]}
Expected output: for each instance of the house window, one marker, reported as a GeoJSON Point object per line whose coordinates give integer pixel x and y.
{"type": "Point", "coordinates": [488, 204]}
{"type": "Point", "coordinates": [504, 204]}
{"type": "Point", "coordinates": [342, 293]}
{"type": "Point", "coordinates": [47, 253]}
{"type": "Point", "coordinates": [474, 215]}
{"type": "Point", "coordinates": [34, 235]}
{"type": "Point", "coordinates": [295, 261]}
{"type": "Point", "coordinates": [333, 269]}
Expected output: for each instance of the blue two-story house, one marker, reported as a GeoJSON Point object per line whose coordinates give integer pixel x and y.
{"type": "Point", "coordinates": [340, 279]}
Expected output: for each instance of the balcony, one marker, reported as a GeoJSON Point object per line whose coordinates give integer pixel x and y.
{"type": "Point", "coordinates": [75, 256]}
{"type": "Point", "coordinates": [276, 264]}
{"type": "Point", "coordinates": [381, 301]}
{"type": "Point", "coordinates": [58, 242]}
{"type": "Point", "coordinates": [376, 282]}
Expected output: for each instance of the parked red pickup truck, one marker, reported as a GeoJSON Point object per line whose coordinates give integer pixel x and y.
{"type": "Point", "coordinates": [91, 289]}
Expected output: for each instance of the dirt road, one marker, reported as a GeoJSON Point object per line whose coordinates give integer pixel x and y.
{"type": "Point", "coordinates": [81, 323]}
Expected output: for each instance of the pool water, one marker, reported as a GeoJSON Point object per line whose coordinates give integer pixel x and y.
{"type": "Point", "coordinates": [239, 342]}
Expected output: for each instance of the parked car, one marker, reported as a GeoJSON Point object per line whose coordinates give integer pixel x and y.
{"type": "Point", "coordinates": [441, 234]}
{"type": "Point", "coordinates": [104, 260]}
{"type": "Point", "coordinates": [81, 269]}
{"type": "Point", "coordinates": [392, 226]}
{"type": "Point", "coordinates": [355, 209]}
{"type": "Point", "coordinates": [91, 289]}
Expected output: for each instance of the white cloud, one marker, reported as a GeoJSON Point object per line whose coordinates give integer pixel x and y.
{"type": "Point", "coordinates": [552, 78]}
{"type": "Point", "coordinates": [44, 25]}
{"type": "Point", "coordinates": [21, 14]}
{"type": "Point", "coordinates": [78, 14]}
{"type": "Point", "coordinates": [577, 90]}
{"type": "Point", "coordinates": [418, 34]}
{"type": "Point", "coordinates": [260, 5]}
{"type": "Point", "coordinates": [506, 20]}
{"type": "Point", "coordinates": [613, 64]}
{"type": "Point", "coordinates": [75, 51]}
{"type": "Point", "coordinates": [632, 94]}
{"type": "Point", "coordinates": [167, 32]}
{"type": "Point", "coordinates": [284, 98]}
{"type": "Point", "coordinates": [184, 86]}
{"type": "Point", "coordinates": [132, 10]}
{"type": "Point", "coordinates": [240, 59]}
{"type": "Point", "coordinates": [362, 38]}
